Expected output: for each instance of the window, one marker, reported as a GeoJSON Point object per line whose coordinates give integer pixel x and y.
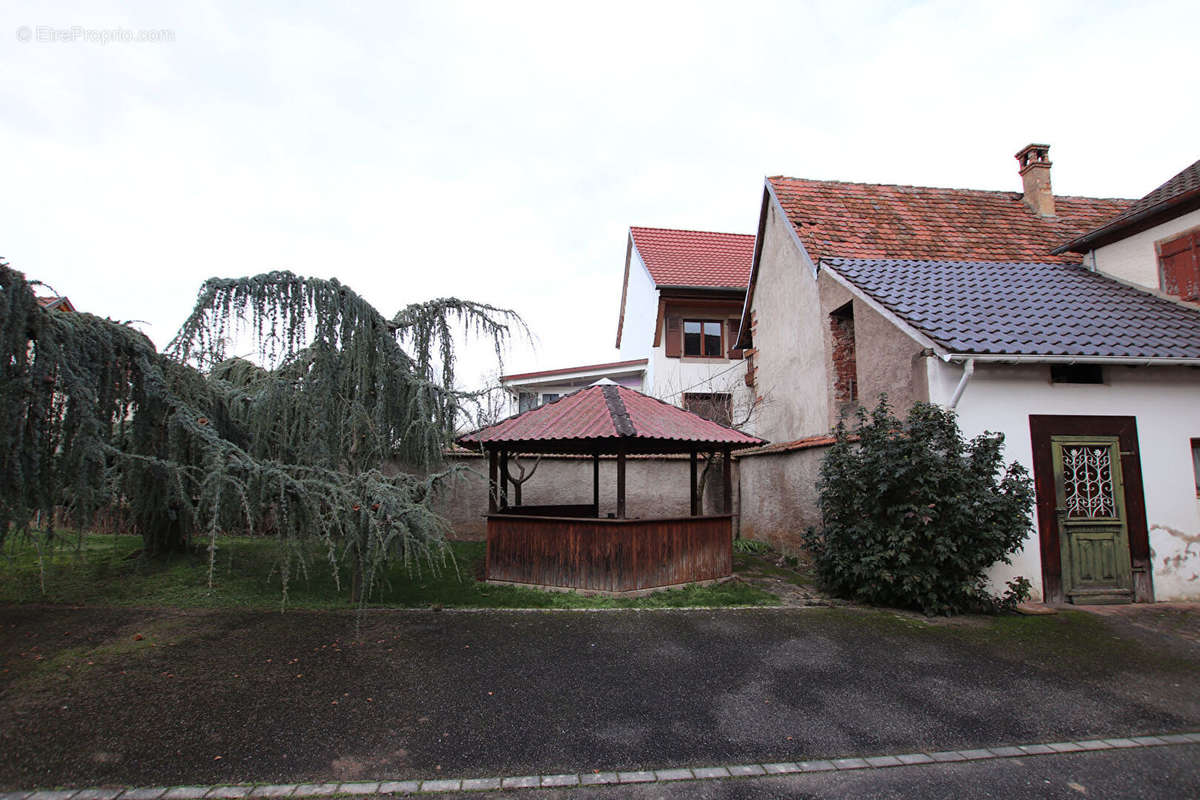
{"type": "Point", "coordinates": [549, 397]}
{"type": "Point", "coordinates": [1196, 463]}
{"type": "Point", "coordinates": [702, 337]}
{"type": "Point", "coordinates": [1179, 266]}
{"type": "Point", "coordinates": [1076, 373]}
{"type": "Point", "coordinates": [526, 401]}
{"type": "Point", "coordinates": [845, 362]}
{"type": "Point", "coordinates": [717, 406]}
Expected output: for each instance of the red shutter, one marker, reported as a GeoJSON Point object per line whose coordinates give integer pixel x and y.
{"type": "Point", "coordinates": [674, 343]}
{"type": "Point", "coordinates": [733, 326]}
{"type": "Point", "coordinates": [1180, 260]}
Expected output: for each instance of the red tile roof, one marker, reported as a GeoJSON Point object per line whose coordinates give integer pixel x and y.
{"type": "Point", "coordinates": [613, 366]}
{"type": "Point", "coordinates": [61, 303]}
{"type": "Point", "coordinates": [695, 258]}
{"type": "Point", "coordinates": [1179, 193]}
{"type": "Point", "coordinates": [605, 418]}
{"type": "Point", "coordinates": [871, 220]}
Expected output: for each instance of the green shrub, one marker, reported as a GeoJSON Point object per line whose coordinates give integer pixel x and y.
{"type": "Point", "coordinates": [750, 546]}
{"type": "Point", "coordinates": [914, 515]}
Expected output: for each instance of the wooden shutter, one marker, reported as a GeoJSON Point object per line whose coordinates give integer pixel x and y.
{"type": "Point", "coordinates": [674, 343]}
{"type": "Point", "coordinates": [1180, 260]}
{"type": "Point", "coordinates": [732, 326]}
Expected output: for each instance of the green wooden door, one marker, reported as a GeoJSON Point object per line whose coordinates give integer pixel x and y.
{"type": "Point", "coordinates": [1092, 530]}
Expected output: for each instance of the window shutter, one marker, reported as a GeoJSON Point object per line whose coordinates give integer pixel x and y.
{"type": "Point", "coordinates": [674, 343]}
{"type": "Point", "coordinates": [732, 326]}
{"type": "Point", "coordinates": [1180, 260]}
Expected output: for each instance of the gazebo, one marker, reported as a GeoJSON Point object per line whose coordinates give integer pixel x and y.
{"type": "Point", "coordinates": [570, 546]}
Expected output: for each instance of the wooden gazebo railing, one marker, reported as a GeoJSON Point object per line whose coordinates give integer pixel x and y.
{"type": "Point", "coordinates": [572, 546]}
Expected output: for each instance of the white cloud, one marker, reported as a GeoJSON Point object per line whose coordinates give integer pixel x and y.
{"type": "Point", "coordinates": [499, 150]}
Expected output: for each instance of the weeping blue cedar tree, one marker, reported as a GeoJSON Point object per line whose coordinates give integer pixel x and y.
{"type": "Point", "coordinates": [337, 439]}
{"type": "Point", "coordinates": [913, 515]}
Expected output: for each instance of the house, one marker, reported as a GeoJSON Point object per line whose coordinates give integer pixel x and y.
{"type": "Point", "coordinates": [995, 304]}
{"type": "Point", "coordinates": [53, 303]}
{"type": "Point", "coordinates": [1154, 243]}
{"type": "Point", "coordinates": [681, 302]}
{"type": "Point", "coordinates": [528, 390]}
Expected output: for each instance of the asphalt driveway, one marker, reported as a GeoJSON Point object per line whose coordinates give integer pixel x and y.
{"type": "Point", "coordinates": [138, 697]}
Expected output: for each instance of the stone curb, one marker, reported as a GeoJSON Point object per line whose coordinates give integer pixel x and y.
{"type": "Point", "coordinates": [596, 778]}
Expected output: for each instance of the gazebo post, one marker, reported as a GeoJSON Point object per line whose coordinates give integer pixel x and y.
{"type": "Point", "coordinates": [504, 479]}
{"type": "Point", "coordinates": [728, 487]}
{"type": "Point", "coordinates": [621, 484]}
{"type": "Point", "coordinates": [517, 488]}
{"type": "Point", "coordinates": [596, 484]}
{"type": "Point", "coordinates": [695, 510]}
{"type": "Point", "coordinates": [493, 485]}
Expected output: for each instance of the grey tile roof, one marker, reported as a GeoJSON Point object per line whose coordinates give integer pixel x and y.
{"type": "Point", "coordinates": [1025, 309]}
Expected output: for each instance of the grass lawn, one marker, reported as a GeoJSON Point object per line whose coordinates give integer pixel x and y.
{"type": "Point", "coordinates": [95, 569]}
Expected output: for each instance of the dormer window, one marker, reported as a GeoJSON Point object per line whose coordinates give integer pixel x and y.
{"type": "Point", "coordinates": [702, 338]}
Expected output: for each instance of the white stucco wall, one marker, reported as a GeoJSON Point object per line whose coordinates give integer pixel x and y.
{"type": "Point", "coordinates": [1166, 403]}
{"type": "Point", "coordinates": [641, 311]}
{"type": "Point", "coordinates": [674, 376]}
{"type": "Point", "coordinates": [1134, 259]}
{"type": "Point", "coordinates": [789, 337]}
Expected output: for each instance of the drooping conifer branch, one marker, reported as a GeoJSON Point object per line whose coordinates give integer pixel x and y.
{"type": "Point", "coordinates": [304, 448]}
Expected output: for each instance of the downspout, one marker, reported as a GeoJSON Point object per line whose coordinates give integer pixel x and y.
{"type": "Point", "coordinates": [968, 371]}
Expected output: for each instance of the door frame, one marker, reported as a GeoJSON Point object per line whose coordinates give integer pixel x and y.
{"type": "Point", "coordinates": [1041, 428]}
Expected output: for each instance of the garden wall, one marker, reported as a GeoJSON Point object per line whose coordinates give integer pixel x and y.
{"type": "Point", "coordinates": [778, 492]}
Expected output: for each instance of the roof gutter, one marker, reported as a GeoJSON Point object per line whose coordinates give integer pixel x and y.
{"type": "Point", "coordinates": [1125, 361]}
{"type": "Point", "coordinates": [701, 289]}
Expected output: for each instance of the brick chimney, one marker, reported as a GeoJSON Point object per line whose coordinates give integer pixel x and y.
{"type": "Point", "coordinates": [1035, 178]}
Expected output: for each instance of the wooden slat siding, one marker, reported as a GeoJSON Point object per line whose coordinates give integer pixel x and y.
{"type": "Point", "coordinates": [674, 334]}
{"type": "Point", "coordinates": [733, 324]}
{"type": "Point", "coordinates": [1180, 266]}
{"type": "Point", "coordinates": [609, 555]}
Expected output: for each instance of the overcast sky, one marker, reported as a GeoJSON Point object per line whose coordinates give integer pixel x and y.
{"type": "Point", "coordinates": [500, 150]}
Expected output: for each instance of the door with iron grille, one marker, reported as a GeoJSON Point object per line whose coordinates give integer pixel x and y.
{"type": "Point", "coordinates": [1093, 531]}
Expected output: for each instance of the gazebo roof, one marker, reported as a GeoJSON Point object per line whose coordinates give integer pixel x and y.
{"type": "Point", "coordinates": [607, 418]}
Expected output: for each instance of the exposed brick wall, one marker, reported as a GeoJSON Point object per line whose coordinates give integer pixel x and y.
{"type": "Point", "coordinates": [845, 365]}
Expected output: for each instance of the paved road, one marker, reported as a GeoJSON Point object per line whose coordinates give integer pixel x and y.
{"type": "Point", "coordinates": [1157, 774]}
{"type": "Point", "coordinates": [291, 698]}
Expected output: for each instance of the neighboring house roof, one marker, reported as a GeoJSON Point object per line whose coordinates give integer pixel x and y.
{"type": "Point", "coordinates": [872, 220]}
{"type": "Point", "coordinates": [615, 366]}
{"type": "Point", "coordinates": [59, 303]}
{"type": "Point", "coordinates": [695, 258]}
{"type": "Point", "coordinates": [1176, 196]}
{"type": "Point", "coordinates": [608, 418]}
{"type": "Point", "coordinates": [1026, 309]}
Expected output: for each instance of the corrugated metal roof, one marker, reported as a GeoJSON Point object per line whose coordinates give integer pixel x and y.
{"type": "Point", "coordinates": [609, 417]}
{"type": "Point", "coordinates": [695, 258]}
{"type": "Point", "coordinates": [993, 308]}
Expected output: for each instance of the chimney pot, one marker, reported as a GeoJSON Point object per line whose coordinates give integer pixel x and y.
{"type": "Point", "coordinates": [1034, 161]}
